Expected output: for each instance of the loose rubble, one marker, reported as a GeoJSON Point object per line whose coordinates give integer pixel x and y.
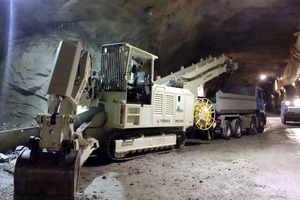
{"type": "Point", "coordinates": [8, 160]}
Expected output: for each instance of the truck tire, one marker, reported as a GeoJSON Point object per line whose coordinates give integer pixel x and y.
{"type": "Point", "coordinates": [261, 126]}
{"type": "Point", "coordinates": [283, 120]}
{"type": "Point", "coordinates": [252, 130]}
{"type": "Point", "coordinates": [261, 129]}
{"type": "Point", "coordinates": [226, 130]}
{"type": "Point", "coordinates": [236, 127]}
{"type": "Point", "coordinates": [261, 123]}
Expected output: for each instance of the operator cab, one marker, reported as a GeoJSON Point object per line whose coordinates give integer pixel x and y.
{"type": "Point", "coordinates": [139, 82]}
{"type": "Point", "coordinates": [128, 69]}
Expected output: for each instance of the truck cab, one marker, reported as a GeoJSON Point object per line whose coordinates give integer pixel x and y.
{"type": "Point", "coordinates": [261, 104]}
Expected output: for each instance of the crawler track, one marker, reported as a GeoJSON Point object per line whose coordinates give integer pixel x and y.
{"type": "Point", "coordinates": [107, 144]}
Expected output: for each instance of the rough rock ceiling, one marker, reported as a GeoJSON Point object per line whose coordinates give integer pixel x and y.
{"type": "Point", "coordinates": [255, 33]}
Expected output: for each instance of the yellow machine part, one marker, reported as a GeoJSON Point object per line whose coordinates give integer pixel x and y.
{"type": "Point", "coordinates": [204, 114]}
{"type": "Point", "coordinates": [46, 175]}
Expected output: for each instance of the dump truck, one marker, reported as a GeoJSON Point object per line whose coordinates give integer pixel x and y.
{"type": "Point", "coordinates": [127, 113]}
{"type": "Point", "coordinates": [239, 109]}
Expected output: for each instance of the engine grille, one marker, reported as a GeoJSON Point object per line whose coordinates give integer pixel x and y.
{"type": "Point", "coordinates": [113, 66]}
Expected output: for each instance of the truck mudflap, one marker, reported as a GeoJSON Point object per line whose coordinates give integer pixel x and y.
{"type": "Point", "coordinates": [46, 175]}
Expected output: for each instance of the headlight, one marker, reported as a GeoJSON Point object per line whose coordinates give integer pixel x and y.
{"type": "Point", "coordinates": [287, 103]}
{"type": "Point", "coordinates": [297, 102]}
{"type": "Point", "coordinates": [81, 109]}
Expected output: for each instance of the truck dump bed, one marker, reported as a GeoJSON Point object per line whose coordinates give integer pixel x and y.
{"type": "Point", "coordinates": [242, 90]}
{"type": "Point", "coordinates": [229, 103]}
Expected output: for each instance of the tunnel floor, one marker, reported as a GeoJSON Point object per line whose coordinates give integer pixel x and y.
{"type": "Point", "coordinates": [262, 166]}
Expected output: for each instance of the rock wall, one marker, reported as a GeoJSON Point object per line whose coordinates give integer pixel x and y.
{"type": "Point", "coordinates": [26, 79]}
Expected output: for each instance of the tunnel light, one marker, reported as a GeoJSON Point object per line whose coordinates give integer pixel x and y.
{"type": "Point", "coordinates": [263, 77]}
{"type": "Point", "coordinates": [276, 85]}
{"type": "Point", "coordinates": [10, 44]}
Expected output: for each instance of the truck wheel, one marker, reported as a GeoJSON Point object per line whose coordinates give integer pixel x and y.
{"type": "Point", "coordinates": [226, 130]}
{"type": "Point", "coordinates": [252, 129]}
{"type": "Point", "coordinates": [283, 120]}
{"type": "Point", "coordinates": [261, 129]}
{"type": "Point", "coordinates": [236, 128]}
{"type": "Point", "coordinates": [261, 125]}
{"type": "Point", "coordinates": [261, 122]}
